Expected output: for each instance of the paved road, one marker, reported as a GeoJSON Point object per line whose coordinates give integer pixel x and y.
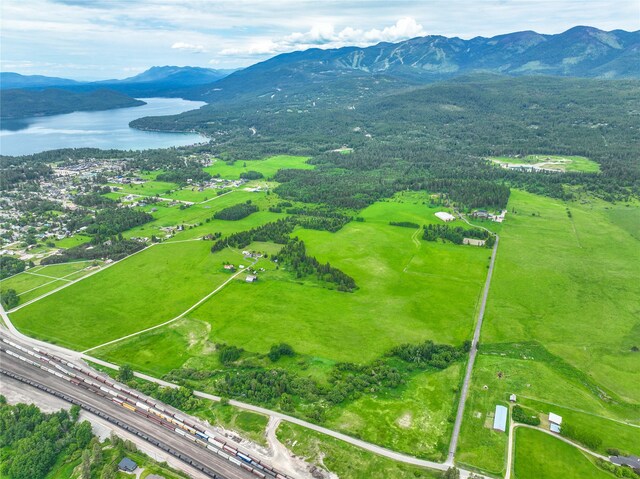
{"type": "Point", "coordinates": [453, 445]}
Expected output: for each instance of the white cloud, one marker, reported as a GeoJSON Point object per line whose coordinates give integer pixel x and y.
{"type": "Point", "coordinates": [189, 47]}
{"type": "Point", "coordinates": [324, 35]}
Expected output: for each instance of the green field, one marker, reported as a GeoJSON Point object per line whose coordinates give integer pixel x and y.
{"type": "Point", "coordinates": [143, 290]}
{"type": "Point", "coordinates": [552, 162]}
{"type": "Point", "coordinates": [348, 462]}
{"type": "Point", "coordinates": [37, 281]}
{"type": "Point", "coordinates": [413, 419]}
{"type": "Point", "coordinates": [405, 293]}
{"type": "Point", "coordinates": [558, 279]}
{"type": "Point", "coordinates": [539, 455]}
{"type": "Point", "coordinates": [268, 167]}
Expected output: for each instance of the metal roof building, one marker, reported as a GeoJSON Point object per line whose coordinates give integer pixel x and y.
{"type": "Point", "coordinates": [555, 419]}
{"type": "Point", "coordinates": [127, 465]}
{"type": "Point", "coordinates": [444, 216]}
{"type": "Point", "coordinates": [500, 419]}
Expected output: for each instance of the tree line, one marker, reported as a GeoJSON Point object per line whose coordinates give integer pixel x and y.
{"type": "Point", "coordinates": [294, 256]}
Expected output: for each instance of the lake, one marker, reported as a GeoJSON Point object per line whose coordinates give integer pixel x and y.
{"type": "Point", "coordinates": [96, 129]}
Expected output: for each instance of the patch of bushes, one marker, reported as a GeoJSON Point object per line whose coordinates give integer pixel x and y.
{"type": "Point", "coordinates": [279, 350]}
{"type": "Point", "coordinates": [587, 438]}
{"type": "Point", "coordinates": [9, 298]}
{"type": "Point", "coordinates": [236, 212]}
{"type": "Point", "coordinates": [520, 415]}
{"type": "Point", "coordinates": [251, 175]}
{"type": "Point", "coordinates": [229, 354]}
{"type": "Point", "coordinates": [405, 224]}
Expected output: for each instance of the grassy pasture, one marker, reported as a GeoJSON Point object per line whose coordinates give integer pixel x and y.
{"type": "Point", "coordinates": [143, 290]}
{"type": "Point", "coordinates": [407, 290]}
{"type": "Point", "coordinates": [345, 460]}
{"type": "Point", "coordinates": [413, 419]}
{"type": "Point", "coordinates": [268, 167]}
{"type": "Point", "coordinates": [560, 278]}
{"type": "Point", "coordinates": [541, 387]}
{"type": "Point", "coordinates": [552, 162]}
{"type": "Point", "coordinates": [539, 455]}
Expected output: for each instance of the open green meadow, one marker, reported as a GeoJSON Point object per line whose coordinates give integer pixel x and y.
{"type": "Point", "coordinates": [143, 290]}
{"type": "Point", "coordinates": [552, 162]}
{"type": "Point", "coordinates": [268, 167]}
{"type": "Point", "coordinates": [345, 460]}
{"type": "Point", "coordinates": [559, 278]}
{"type": "Point", "coordinates": [40, 280]}
{"type": "Point", "coordinates": [413, 419]}
{"type": "Point", "coordinates": [539, 455]}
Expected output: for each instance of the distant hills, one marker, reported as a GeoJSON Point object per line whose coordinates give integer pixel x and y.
{"type": "Point", "coordinates": [18, 103]}
{"type": "Point", "coordinates": [159, 81]}
{"type": "Point", "coordinates": [578, 52]}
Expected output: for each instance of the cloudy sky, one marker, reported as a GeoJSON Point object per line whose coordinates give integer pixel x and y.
{"type": "Point", "coordinates": [99, 39]}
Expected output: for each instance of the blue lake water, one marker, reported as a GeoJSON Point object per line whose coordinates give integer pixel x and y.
{"type": "Point", "coordinates": [96, 129]}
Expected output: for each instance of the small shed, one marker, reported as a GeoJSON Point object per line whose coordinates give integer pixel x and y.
{"type": "Point", "coordinates": [444, 216]}
{"type": "Point", "coordinates": [513, 398]}
{"type": "Point", "coordinates": [500, 419]}
{"type": "Point", "coordinates": [554, 428]}
{"type": "Point", "coordinates": [555, 419]}
{"type": "Point", "coordinates": [251, 278]}
{"type": "Point", "coordinates": [127, 465]}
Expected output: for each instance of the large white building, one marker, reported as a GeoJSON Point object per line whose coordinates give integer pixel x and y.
{"type": "Point", "coordinates": [444, 216]}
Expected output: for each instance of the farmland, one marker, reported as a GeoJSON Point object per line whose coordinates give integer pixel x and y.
{"type": "Point", "coordinates": [548, 296]}
{"type": "Point", "coordinates": [540, 455]}
{"type": "Point", "coordinates": [268, 167]}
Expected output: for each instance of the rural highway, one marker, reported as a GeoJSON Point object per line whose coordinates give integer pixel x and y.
{"type": "Point", "coordinates": [453, 445]}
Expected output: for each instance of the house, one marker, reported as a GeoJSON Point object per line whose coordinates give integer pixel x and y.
{"type": "Point", "coordinates": [500, 419]}
{"type": "Point", "coordinates": [512, 398]}
{"type": "Point", "coordinates": [630, 461]}
{"type": "Point", "coordinates": [444, 216]}
{"type": "Point", "coordinates": [251, 278]}
{"type": "Point", "coordinates": [229, 267]}
{"type": "Point", "coordinates": [482, 214]}
{"type": "Point", "coordinates": [127, 465]}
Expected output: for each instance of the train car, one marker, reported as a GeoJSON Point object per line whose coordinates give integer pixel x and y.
{"type": "Point", "coordinates": [222, 454]}
{"type": "Point", "coordinates": [117, 387]}
{"type": "Point", "coordinates": [117, 401]}
{"type": "Point", "coordinates": [244, 457]}
{"type": "Point", "coordinates": [75, 381]}
{"type": "Point", "coordinates": [202, 436]}
{"type": "Point", "coordinates": [216, 443]}
{"type": "Point", "coordinates": [142, 405]}
{"type": "Point", "coordinates": [246, 467]}
{"type": "Point", "coordinates": [258, 473]}
{"type": "Point", "coordinates": [235, 461]}
{"type": "Point", "coordinates": [180, 431]}
{"type": "Point", "coordinates": [230, 450]}
{"type": "Point", "coordinates": [128, 406]}
{"type": "Point", "coordinates": [200, 442]}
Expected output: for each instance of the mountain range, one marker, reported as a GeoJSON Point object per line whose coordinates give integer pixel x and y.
{"type": "Point", "coordinates": [352, 72]}
{"type": "Point", "coordinates": [578, 52]}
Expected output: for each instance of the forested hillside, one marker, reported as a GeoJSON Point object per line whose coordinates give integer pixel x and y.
{"type": "Point", "coordinates": [26, 103]}
{"type": "Point", "coordinates": [437, 137]}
